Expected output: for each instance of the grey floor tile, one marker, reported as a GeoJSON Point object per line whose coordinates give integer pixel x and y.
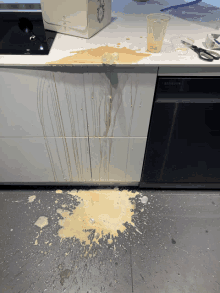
{"type": "Point", "coordinates": [175, 248]}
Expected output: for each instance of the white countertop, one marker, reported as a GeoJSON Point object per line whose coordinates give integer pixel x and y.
{"type": "Point", "coordinates": [124, 26]}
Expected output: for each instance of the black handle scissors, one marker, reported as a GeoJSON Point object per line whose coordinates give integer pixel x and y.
{"type": "Point", "coordinates": [203, 54]}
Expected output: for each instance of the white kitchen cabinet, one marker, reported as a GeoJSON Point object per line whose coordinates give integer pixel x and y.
{"type": "Point", "coordinates": [56, 126]}
{"type": "Point", "coordinates": [120, 108]}
{"type": "Point", "coordinates": [117, 159]}
{"type": "Point", "coordinates": [38, 159]}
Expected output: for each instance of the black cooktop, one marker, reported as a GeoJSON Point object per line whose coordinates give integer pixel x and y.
{"type": "Point", "coordinates": [23, 33]}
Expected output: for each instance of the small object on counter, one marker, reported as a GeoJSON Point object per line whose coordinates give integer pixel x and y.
{"type": "Point", "coordinates": [211, 42]}
{"type": "Point", "coordinates": [110, 58]}
{"type": "Point", "coordinates": [92, 221]}
{"type": "Point", "coordinates": [203, 54]}
{"type": "Point", "coordinates": [156, 29]}
{"type": "Point", "coordinates": [180, 48]}
{"type": "Point", "coordinates": [77, 18]}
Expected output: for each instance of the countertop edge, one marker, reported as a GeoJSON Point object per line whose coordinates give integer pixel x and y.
{"type": "Point", "coordinates": [160, 70]}
{"type": "Point", "coordinates": [89, 68]}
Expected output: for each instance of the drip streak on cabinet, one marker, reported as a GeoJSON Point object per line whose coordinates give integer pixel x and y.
{"type": "Point", "coordinates": [79, 165]}
{"type": "Point", "coordinates": [133, 107]}
{"type": "Point", "coordinates": [87, 126]}
{"type": "Point", "coordinates": [59, 126]}
{"type": "Point", "coordinates": [111, 91]}
{"type": "Point", "coordinates": [54, 135]}
{"type": "Point", "coordinates": [59, 122]}
{"type": "Point", "coordinates": [40, 112]}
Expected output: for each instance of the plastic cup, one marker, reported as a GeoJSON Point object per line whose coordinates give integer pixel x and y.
{"type": "Point", "coordinates": [179, 47]}
{"type": "Point", "coordinates": [156, 29]}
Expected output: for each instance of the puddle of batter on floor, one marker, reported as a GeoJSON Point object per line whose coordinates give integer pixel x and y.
{"type": "Point", "coordinates": [99, 215]}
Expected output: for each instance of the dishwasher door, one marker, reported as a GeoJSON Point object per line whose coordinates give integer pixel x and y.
{"type": "Point", "coordinates": [183, 144]}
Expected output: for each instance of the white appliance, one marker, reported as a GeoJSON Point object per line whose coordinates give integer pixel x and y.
{"type": "Point", "coordinates": [81, 18]}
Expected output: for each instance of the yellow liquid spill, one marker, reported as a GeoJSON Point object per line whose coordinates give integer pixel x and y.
{"type": "Point", "coordinates": [104, 211]}
{"type": "Point", "coordinates": [181, 49]}
{"type": "Point", "coordinates": [94, 56]}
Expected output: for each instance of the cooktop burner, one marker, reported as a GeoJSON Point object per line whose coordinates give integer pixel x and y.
{"type": "Point", "coordinates": [23, 33]}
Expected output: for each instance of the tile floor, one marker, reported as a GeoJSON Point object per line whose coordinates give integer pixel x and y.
{"type": "Point", "coordinates": [176, 251]}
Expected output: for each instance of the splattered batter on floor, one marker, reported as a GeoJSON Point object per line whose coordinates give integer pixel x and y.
{"type": "Point", "coordinates": [100, 214]}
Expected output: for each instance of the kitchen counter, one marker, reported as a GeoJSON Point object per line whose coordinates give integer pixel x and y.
{"type": "Point", "coordinates": [128, 35]}
{"type": "Point", "coordinates": [100, 134]}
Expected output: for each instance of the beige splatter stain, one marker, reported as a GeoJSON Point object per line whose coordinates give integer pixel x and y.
{"type": "Point", "coordinates": [110, 241]}
{"type": "Point", "coordinates": [94, 56]}
{"type": "Point", "coordinates": [31, 198]}
{"type": "Point", "coordinates": [36, 241]}
{"type": "Point", "coordinates": [41, 222]}
{"type": "Point", "coordinates": [105, 211]}
{"type": "Point", "coordinates": [59, 191]}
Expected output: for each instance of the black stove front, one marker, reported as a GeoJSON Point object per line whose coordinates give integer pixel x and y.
{"type": "Point", "coordinates": [183, 144]}
{"type": "Point", "coordinates": [22, 33]}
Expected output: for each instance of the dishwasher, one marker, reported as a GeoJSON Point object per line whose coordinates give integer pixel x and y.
{"type": "Point", "coordinates": [183, 144]}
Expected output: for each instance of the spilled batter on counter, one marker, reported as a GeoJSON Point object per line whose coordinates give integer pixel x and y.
{"type": "Point", "coordinates": [94, 56]}
{"type": "Point", "coordinates": [100, 215]}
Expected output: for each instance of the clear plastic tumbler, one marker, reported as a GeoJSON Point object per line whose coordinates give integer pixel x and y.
{"type": "Point", "coordinates": [156, 29]}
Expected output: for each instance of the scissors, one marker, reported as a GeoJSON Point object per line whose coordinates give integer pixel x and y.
{"type": "Point", "coordinates": [203, 54]}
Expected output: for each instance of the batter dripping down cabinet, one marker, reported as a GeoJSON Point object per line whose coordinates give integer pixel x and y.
{"type": "Point", "coordinates": [183, 143]}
